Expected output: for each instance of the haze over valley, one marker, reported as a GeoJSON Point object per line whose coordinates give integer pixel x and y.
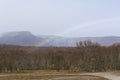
{"type": "Point", "coordinates": [25, 38]}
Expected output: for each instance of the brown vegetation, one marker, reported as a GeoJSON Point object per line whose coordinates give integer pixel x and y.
{"type": "Point", "coordinates": [86, 57]}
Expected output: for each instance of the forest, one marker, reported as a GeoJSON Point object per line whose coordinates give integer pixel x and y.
{"type": "Point", "coordinates": [85, 57]}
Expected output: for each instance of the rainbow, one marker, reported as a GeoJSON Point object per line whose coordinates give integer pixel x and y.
{"type": "Point", "coordinates": [73, 28]}
{"type": "Point", "coordinates": [45, 41]}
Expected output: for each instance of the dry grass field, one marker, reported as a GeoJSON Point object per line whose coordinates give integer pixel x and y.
{"type": "Point", "coordinates": [48, 75]}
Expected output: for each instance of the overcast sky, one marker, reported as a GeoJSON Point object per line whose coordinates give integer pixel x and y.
{"type": "Point", "coordinates": [61, 17]}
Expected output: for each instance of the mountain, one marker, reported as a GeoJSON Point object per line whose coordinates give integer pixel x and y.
{"type": "Point", "coordinates": [22, 38]}
{"type": "Point", "coordinates": [73, 41]}
{"type": "Point", "coordinates": [25, 38]}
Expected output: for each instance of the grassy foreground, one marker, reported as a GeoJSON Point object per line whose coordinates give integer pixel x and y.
{"type": "Point", "coordinates": [47, 75]}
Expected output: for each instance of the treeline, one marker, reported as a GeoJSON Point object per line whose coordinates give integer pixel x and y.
{"type": "Point", "coordinates": [85, 57]}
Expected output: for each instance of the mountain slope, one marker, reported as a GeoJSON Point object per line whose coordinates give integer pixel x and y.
{"type": "Point", "coordinates": [25, 38]}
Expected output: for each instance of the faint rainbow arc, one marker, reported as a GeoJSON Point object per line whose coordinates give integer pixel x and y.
{"type": "Point", "coordinates": [41, 43]}
{"type": "Point", "coordinates": [46, 40]}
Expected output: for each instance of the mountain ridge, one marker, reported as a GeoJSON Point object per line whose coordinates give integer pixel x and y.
{"type": "Point", "coordinates": [25, 38]}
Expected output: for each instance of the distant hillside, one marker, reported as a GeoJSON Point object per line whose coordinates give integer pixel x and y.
{"type": "Point", "coordinates": [24, 38]}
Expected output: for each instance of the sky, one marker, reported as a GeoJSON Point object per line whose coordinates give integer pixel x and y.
{"type": "Point", "coordinates": [70, 18]}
